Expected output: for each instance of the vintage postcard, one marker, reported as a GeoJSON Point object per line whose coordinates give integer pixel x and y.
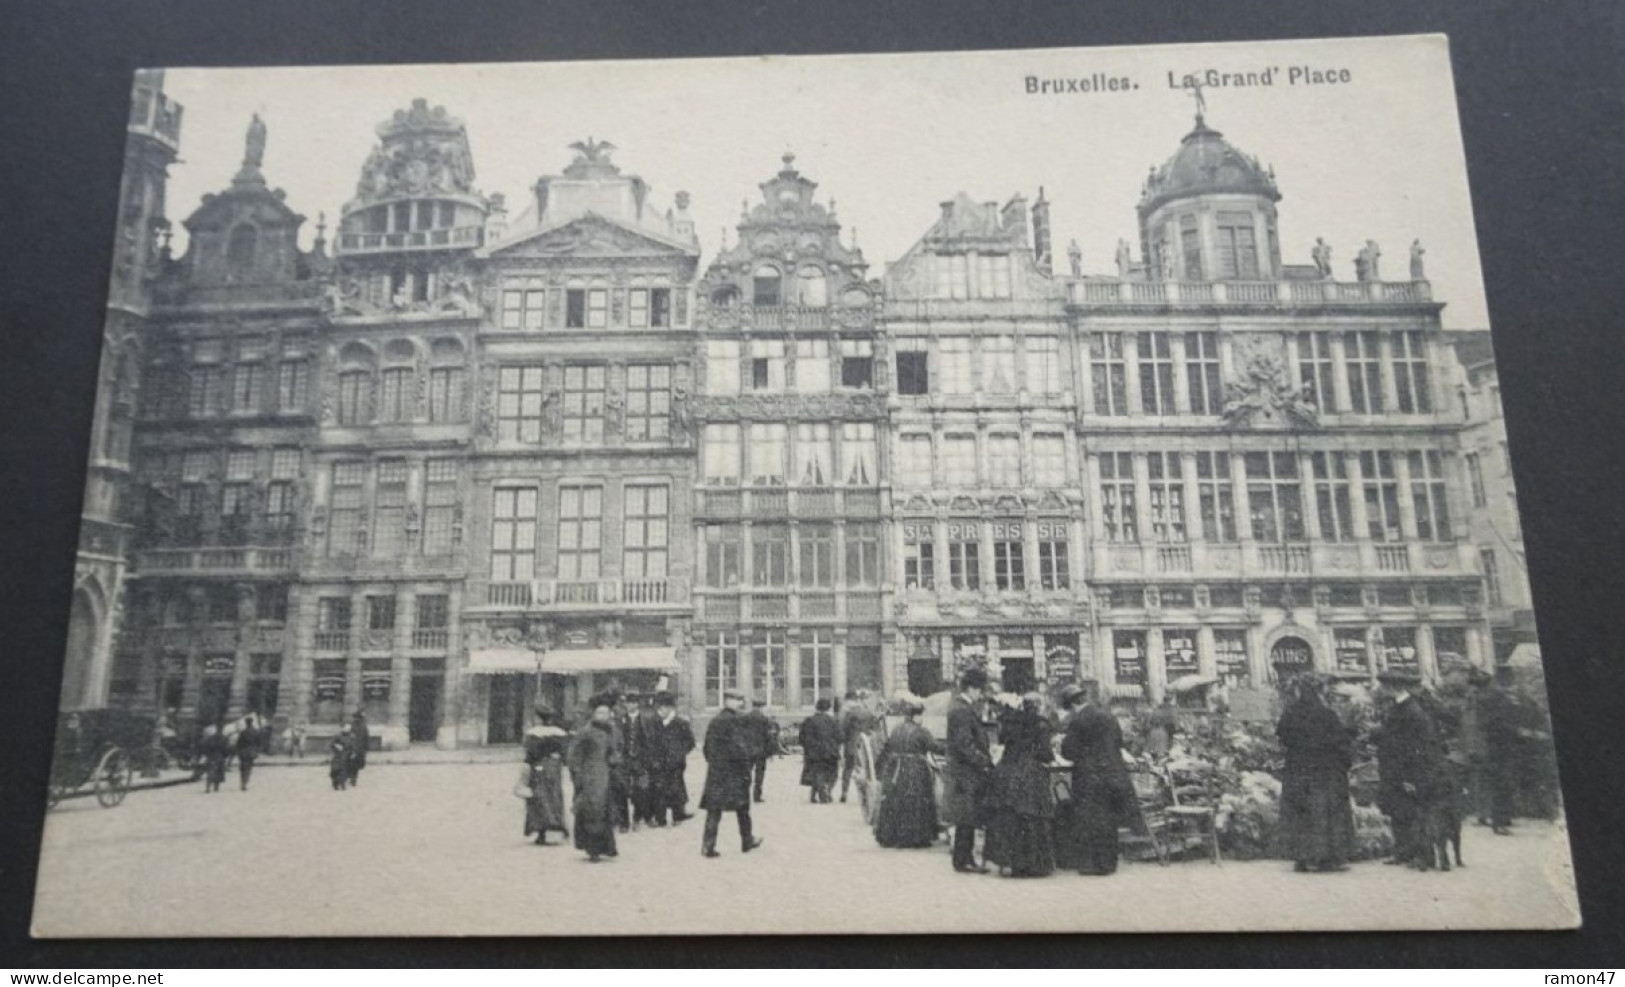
{"type": "Point", "coordinates": [1056, 490]}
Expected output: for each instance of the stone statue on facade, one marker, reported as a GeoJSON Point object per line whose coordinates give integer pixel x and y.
{"type": "Point", "coordinates": [1418, 273]}
{"type": "Point", "coordinates": [1365, 262]}
{"type": "Point", "coordinates": [1321, 254]}
{"type": "Point", "coordinates": [1074, 257]}
{"type": "Point", "coordinates": [1165, 262]}
{"type": "Point", "coordinates": [1125, 258]}
{"type": "Point", "coordinates": [254, 146]}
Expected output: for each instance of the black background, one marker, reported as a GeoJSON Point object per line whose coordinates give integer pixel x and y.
{"type": "Point", "coordinates": [1541, 104]}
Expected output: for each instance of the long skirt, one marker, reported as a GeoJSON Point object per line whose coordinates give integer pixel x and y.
{"type": "Point", "coordinates": [1086, 827]}
{"type": "Point", "coordinates": [820, 773]}
{"type": "Point", "coordinates": [908, 807]}
{"type": "Point", "coordinates": [1317, 822]}
{"type": "Point", "coordinates": [595, 827]}
{"type": "Point", "coordinates": [1022, 844]}
{"type": "Point", "coordinates": [544, 810]}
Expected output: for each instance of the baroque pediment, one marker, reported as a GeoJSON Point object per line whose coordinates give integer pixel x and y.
{"type": "Point", "coordinates": [589, 236]}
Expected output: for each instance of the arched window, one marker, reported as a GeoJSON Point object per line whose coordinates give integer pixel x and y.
{"type": "Point", "coordinates": [812, 289]}
{"type": "Point", "coordinates": [356, 365]}
{"type": "Point", "coordinates": [397, 398]}
{"type": "Point", "coordinates": [446, 381]}
{"type": "Point", "coordinates": [240, 248]}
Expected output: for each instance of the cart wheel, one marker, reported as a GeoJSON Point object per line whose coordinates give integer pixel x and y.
{"type": "Point", "coordinates": [112, 778]}
{"type": "Point", "coordinates": [868, 785]}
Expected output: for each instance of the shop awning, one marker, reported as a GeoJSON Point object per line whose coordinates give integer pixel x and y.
{"type": "Point", "coordinates": [570, 661]}
{"type": "Point", "coordinates": [501, 661]}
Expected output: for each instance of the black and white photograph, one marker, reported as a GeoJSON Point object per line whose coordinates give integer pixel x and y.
{"type": "Point", "coordinates": [1061, 490]}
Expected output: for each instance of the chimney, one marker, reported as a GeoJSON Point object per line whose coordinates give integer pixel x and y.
{"type": "Point", "coordinates": [947, 210]}
{"type": "Point", "coordinates": [1013, 218]}
{"type": "Point", "coordinates": [496, 219]}
{"type": "Point", "coordinates": [1042, 256]}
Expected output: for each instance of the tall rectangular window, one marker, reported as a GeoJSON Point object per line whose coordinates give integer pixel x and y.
{"type": "Point", "coordinates": [914, 461]}
{"type": "Point", "coordinates": [440, 506]}
{"type": "Point", "coordinates": [1109, 373]}
{"type": "Point", "coordinates": [913, 366]}
{"type": "Point", "coordinates": [722, 562]}
{"type": "Point", "coordinates": [1190, 244]}
{"type": "Point", "coordinates": [959, 460]}
{"type": "Point", "coordinates": [1004, 459]}
{"type": "Point", "coordinates": [586, 308]}
{"type": "Point", "coordinates": [380, 613]}
{"type": "Point", "coordinates": [445, 394]}
{"type": "Point", "coordinates": [1238, 246]}
{"type": "Point", "coordinates": [1316, 371]}
{"type": "Point", "coordinates": [637, 308]}
{"type": "Point", "coordinates": [955, 365]}
{"type": "Point", "coordinates": [660, 308]}
{"type": "Point", "coordinates": [722, 366]}
{"type": "Point", "coordinates": [857, 363]}
{"type": "Point", "coordinates": [245, 387]}
{"type": "Point", "coordinates": [1156, 373]}
{"type": "Point", "coordinates": [1044, 371]}
{"type": "Point", "coordinates": [1274, 496]}
{"type": "Point", "coordinates": [389, 516]}
{"type": "Point", "coordinates": [431, 618]}
{"type": "Point", "coordinates": [581, 520]}
{"type": "Point", "coordinates": [522, 305]}
{"type": "Point", "coordinates": [816, 567]}
{"type": "Point", "coordinates": [644, 541]}
{"type": "Point", "coordinates": [520, 398]}
{"type": "Point", "coordinates": [1364, 365]}
{"type": "Point", "coordinates": [859, 448]}
{"type": "Point", "coordinates": [648, 402]}
{"type": "Point", "coordinates": [1217, 495]}
{"type": "Point", "coordinates": [1475, 479]}
{"type": "Point", "coordinates": [1054, 567]}
{"type": "Point", "coordinates": [964, 557]}
{"type": "Point", "coordinates": [1009, 562]}
{"type": "Point", "coordinates": [862, 553]}
{"type": "Point", "coordinates": [721, 665]}
{"type": "Point", "coordinates": [204, 396]}
{"type": "Point", "coordinates": [1332, 499]}
{"type": "Point", "coordinates": [584, 404]}
{"type": "Point", "coordinates": [721, 455]}
{"type": "Point", "coordinates": [770, 555]}
{"type": "Point", "coordinates": [395, 396]}
{"type": "Point", "coordinates": [1117, 501]}
{"type": "Point", "coordinates": [333, 615]}
{"type": "Point", "coordinates": [1413, 389]}
{"type": "Point", "coordinates": [767, 667]}
{"type": "Point", "coordinates": [1381, 492]}
{"type": "Point", "coordinates": [1049, 460]}
{"type": "Point", "coordinates": [280, 493]}
{"type": "Point", "coordinates": [1492, 577]}
{"type": "Point", "coordinates": [919, 556]}
{"type": "Point", "coordinates": [815, 455]}
{"type": "Point", "coordinates": [767, 365]}
{"type": "Point", "coordinates": [817, 654]}
{"type": "Point", "coordinates": [1428, 496]}
{"type": "Point", "coordinates": [355, 396]}
{"type": "Point", "coordinates": [812, 366]}
{"type": "Point", "coordinates": [271, 603]}
{"type": "Point", "coordinates": [293, 385]}
{"type": "Point", "coordinates": [513, 534]}
{"type": "Point", "coordinates": [769, 454]}
{"type": "Point", "coordinates": [344, 524]}
{"type": "Point", "coordinates": [1166, 472]}
{"type": "Point", "coordinates": [999, 364]}
{"type": "Point", "coordinates": [1202, 381]}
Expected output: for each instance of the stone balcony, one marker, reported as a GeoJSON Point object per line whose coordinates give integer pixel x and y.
{"type": "Point", "coordinates": [1246, 294]}
{"type": "Point", "coordinates": [588, 594]}
{"type": "Point", "coordinates": [782, 318]}
{"type": "Point", "coordinates": [725, 503]}
{"type": "Point", "coordinates": [215, 561]}
{"type": "Point", "coordinates": [351, 244]}
{"type": "Point", "coordinates": [1253, 560]}
{"type": "Point", "coordinates": [789, 604]}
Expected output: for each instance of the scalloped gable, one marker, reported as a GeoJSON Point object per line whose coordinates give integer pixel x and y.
{"type": "Point", "coordinates": [590, 235]}
{"type": "Point", "coordinates": [255, 203]}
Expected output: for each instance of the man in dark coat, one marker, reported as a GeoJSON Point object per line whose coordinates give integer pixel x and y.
{"type": "Point", "coordinates": [857, 722]}
{"type": "Point", "coordinates": [765, 729]}
{"type": "Point", "coordinates": [1100, 784]}
{"type": "Point", "coordinates": [664, 742]}
{"type": "Point", "coordinates": [638, 737]}
{"type": "Point", "coordinates": [1317, 824]}
{"type": "Point", "coordinates": [1407, 766]}
{"type": "Point", "coordinates": [730, 749]}
{"type": "Point", "coordinates": [970, 767]}
{"type": "Point", "coordinates": [249, 738]}
{"type": "Point", "coordinates": [820, 752]}
{"type": "Point", "coordinates": [359, 738]}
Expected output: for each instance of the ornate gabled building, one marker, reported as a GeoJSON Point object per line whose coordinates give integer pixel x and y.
{"type": "Point", "coordinates": [1270, 452]}
{"type": "Point", "coordinates": [222, 457]}
{"type": "Point", "coordinates": [791, 487]}
{"type": "Point", "coordinates": [987, 519]}
{"type": "Point", "coordinates": [580, 559]}
{"type": "Point", "coordinates": [152, 142]}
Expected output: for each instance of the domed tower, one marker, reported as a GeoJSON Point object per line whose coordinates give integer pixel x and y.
{"type": "Point", "coordinates": [415, 209]}
{"type": "Point", "coordinates": [1208, 214]}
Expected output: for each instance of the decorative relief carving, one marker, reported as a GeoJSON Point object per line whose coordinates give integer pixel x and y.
{"type": "Point", "coordinates": [813, 407]}
{"type": "Point", "coordinates": [1263, 393]}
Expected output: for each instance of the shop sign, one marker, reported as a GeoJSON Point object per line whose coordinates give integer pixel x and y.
{"type": "Point", "coordinates": [1060, 664]}
{"type": "Point", "coordinates": [1129, 658]}
{"type": "Point", "coordinates": [218, 666]}
{"type": "Point", "coordinates": [375, 685]}
{"type": "Point", "coordinates": [1351, 653]}
{"type": "Point", "coordinates": [1179, 653]}
{"type": "Point", "coordinates": [329, 687]}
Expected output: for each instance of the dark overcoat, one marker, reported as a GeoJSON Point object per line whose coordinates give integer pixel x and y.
{"type": "Point", "coordinates": [970, 766]}
{"type": "Point", "coordinates": [589, 760]}
{"type": "Point", "coordinates": [820, 749]}
{"type": "Point", "coordinates": [730, 751]}
{"type": "Point", "coordinates": [1407, 753]}
{"type": "Point", "coordinates": [1021, 782]}
{"type": "Point", "coordinates": [1317, 822]}
{"type": "Point", "coordinates": [855, 723]}
{"type": "Point", "coordinates": [664, 746]}
{"type": "Point", "coordinates": [1101, 791]}
{"type": "Point", "coordinates": [908, 807]}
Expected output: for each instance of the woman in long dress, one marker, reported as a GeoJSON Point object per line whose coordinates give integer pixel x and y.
{"type": "Point", "coordinates": [1317, 823]}
{"type": "Point", "coordinates": [545, 747]}
{"type": "Point", "coordinates": [589, 760]}
{"type": "Point", "coordinates": [908, 808]}
{"type": "Point", "coordinates": [1020, 839]}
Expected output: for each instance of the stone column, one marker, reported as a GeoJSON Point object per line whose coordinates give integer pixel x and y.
{"type": "Point", "coordinates": [237, 704]}
{"type": "Point", "coordinates": [1426, 659]}
{"type": "Point", "coordinates": [1207, 660]}
{"type": "Point", "coordinates": [1362, 522]}
{"type": "Point", "coordinates": [1407, 507]}
{"type": "Point", "coordinates": [1340, 373]}
{"type": "Point", "coordinates": [1156, 671]}
{"type": "Point", "coordinates": [1385, 354]}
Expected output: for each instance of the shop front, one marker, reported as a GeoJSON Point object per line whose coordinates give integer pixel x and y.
{"type": "Point", "coordinates": [508, 685]}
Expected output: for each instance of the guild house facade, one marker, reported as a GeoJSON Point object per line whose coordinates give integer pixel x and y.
{"type": "Point", "coordinates": [451, 465]}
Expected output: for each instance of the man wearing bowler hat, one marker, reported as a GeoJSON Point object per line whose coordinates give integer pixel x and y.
{"type": "Point", "coordinates": [970, 767]}
{"type": "Point", "coordinates": [1407, 754]}
{"type": "Point", "coordinates": [1100, 784]}
{"type": "Point", "coordinates": [730, 751]}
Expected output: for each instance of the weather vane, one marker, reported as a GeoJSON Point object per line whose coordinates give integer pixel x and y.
{"type": "Point", "coordinates": [1201, 101]}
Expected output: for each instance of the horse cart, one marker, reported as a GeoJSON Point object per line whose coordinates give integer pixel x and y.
{"type": "Point", "coordinates": [96, 751]}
